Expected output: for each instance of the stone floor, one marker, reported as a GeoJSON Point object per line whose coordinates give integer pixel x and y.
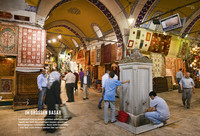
{"type": "Point", "coordinates": [86, 121]}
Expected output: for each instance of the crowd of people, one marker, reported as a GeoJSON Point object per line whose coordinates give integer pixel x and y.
{"type": "Point", "coordinates": [49, 93]}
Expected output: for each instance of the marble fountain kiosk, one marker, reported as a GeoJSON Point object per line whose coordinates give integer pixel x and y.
{"type": "Point", "coordinates": [134, 97]}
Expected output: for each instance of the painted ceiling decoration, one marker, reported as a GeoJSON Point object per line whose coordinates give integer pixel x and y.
{"type": "Point", "coordinates": [110, 18]}
{"type": "Point", "coordinates": [103, 9]}
{"type": "Point", "coordinates": [189, 27]}
{"type": "Point", "coordinates": [144, 11]}
{"type": "Point", "coordinates": [127, 6]}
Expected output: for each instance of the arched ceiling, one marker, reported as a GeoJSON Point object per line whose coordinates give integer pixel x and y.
{"type": "Point", "coordinates": [145, 9]}
{"type": "Point", "coordinates": [81, 14]}
{"type": "Point", "coordinates": [67, 40]}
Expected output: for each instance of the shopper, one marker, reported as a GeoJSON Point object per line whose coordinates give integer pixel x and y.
{"type": "Point", "coordinates": [104, 78]}
{"type": "Point", "coordinates": [52, 98]}
{"type": "Point", "coordinates": [158, 111]}
{"type": "Point", "coordinates": [76, 82]}
{"type": "Point", "coordinates": [109, 88]}
{"type": "Point", "coordinates": [86, 85]}
{"type": "Point", "coordinates": [70, 79]}
{"type": "Point", "coordinates": [179, 76]}
{"type": "Point", "coordinates": [81, 74]}
{"type": "Point", "coordinates": [187, 87]}
{"type": "Point", "coordinates": [42, 87]}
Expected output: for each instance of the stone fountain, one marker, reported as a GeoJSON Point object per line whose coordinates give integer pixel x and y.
{"type": "Point", "coordinates": [134, 97]}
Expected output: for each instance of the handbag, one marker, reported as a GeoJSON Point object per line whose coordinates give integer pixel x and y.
{"type": "Point", "coordinates": [65, 112]}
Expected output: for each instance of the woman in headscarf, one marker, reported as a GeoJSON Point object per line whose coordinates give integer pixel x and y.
{"type": "Point", "coordinates": [52, 98]}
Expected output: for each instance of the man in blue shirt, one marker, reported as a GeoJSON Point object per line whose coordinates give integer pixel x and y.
{"type": "Point", "coordinates": [108, 93]}
{"type": "Point", "coordinates": [158, 111]}
{"type": "Point", "coordinates": [42, 87]}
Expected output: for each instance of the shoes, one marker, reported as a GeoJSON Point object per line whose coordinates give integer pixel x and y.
{"type": "Point", "coordinates": [69, 118]}
{"type": "Point", "coordinates": [87, 98]}
{"type": "Point", "coordinates": [188, 107]}
{"type": "Point", "coordinates": [68, 101]}
{"type": "Point", "coordinates": [84, 98]}
{"type": "Point", "coordinates": [158, 126]}
{"type": "Point", "coordinates": [184, 104]}
{"type": "Point", "coordinates": [114, 121]}
{"type": "Point", "coordinates": [164, 122]}
{"type": "Point", "coordinates": [99, 107]}
{"type": "Point", "coordinates": [106, 123]}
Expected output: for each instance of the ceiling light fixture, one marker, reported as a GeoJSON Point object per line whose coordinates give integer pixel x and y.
{"type": "Point", "coordinates": [54, 40]}
{"type": "Point", "coordinates": [59, 36]}
{"type": "Point", "coordinates": [130, 21]}
{"type": "Point", "coordinates": [49, 41]}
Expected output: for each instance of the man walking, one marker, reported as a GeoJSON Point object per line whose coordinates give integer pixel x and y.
{"type": "Point", "coordinates": [187, 87]}
{"type": "Point", "coordinates": [158, 111]}
{"type": "Point", "coordinates": [81, 74]}
{"type": "Point", "coordinates": [179, 76]}
{"type": "Point", "coordinates": [42, 88]}
{"type": "Point", "coordinates": [108, 94]}
{"type": "Point", "coordinates": [70, 79]}
{"type": "Point", "coordinates": [86, 85]}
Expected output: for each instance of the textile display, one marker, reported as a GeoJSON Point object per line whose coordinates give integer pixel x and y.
{"type": "Point", "coordinates": [7, 67]}
{"type": "Point", "coordinates": [139, 39]}
{"type": "Point", "coordinates": [98, 56]}
{"type": "Point", "coordinates": [6, 85]}
{"type": "Point", "coordinates": [160, 43]}
{"type": "Point", "coordinates": [113, 52]}
{"type": "Point", "coordinates": [92, 57]}
{"type": "Point", "coordinates": [31, 47]}
{"type": "Point", "coordinates": [183, 49]}
{"type": "Point", "coordinates": [119, 53]}
{"type": "Point", "coordinates": [8, 39]}
{"type": "Point", "coordinates": [157, 64]}
{"type": "Point", "coordinates": [171, 68]}
{"type": "Point", "coordinates": [180, 64]}
{"type": "Point", "coordinates": [101, 72]}
{"type": "Point", "coordinates": [81, 57]}
{"type": "Point", "coordinates": [107, 54]}
{"type": "Point", "coordinates": [87, 58]}
{"type": "Point", "coordinates": [102, 54]}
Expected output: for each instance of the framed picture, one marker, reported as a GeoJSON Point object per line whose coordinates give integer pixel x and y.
{"type": "Point", "coordinates": [130, 43]}
{"type": "Point", "coordinates": [148, 37]}
{"type": "Point", "coordinates": [6, 85]}
{"type": "Point", "coordinates": [138, 34]}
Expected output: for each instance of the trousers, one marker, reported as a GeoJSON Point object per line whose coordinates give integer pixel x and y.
{"type": "Point", "coordinates": [112, 113]}
{"type": "Point", "coordinates": [179, 88]}
{"type": "Point", "coordinates": [155, 117]}
{"type": "Point", "coordinates": [70, 91]}
{"type": "Point", "coordinates": [41, 98]}
{"type": "Point", "coordinates": [187, 95]}
{"type": "Point", "coordinates": [85, 91]}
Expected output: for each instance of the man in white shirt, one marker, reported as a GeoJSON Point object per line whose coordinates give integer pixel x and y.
{"type": "Point", "coordinates": [70, 79]}
{"type": "Point", "coordinates": [187, 87]}
{"type": "Point", "coordinates": [179, 76]}
{"type": "Point", "coordinates": [158, 111]}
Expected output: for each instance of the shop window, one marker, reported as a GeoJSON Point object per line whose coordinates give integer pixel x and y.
{"type": "Point", "coordinates": [75, 43]}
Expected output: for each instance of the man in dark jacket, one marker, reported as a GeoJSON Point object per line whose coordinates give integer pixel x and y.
{"type": "Point", "coordinates": [86, 85]}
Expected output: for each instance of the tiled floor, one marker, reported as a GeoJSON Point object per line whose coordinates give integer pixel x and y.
{"type": "Point", "coordinates": [86, 121]}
